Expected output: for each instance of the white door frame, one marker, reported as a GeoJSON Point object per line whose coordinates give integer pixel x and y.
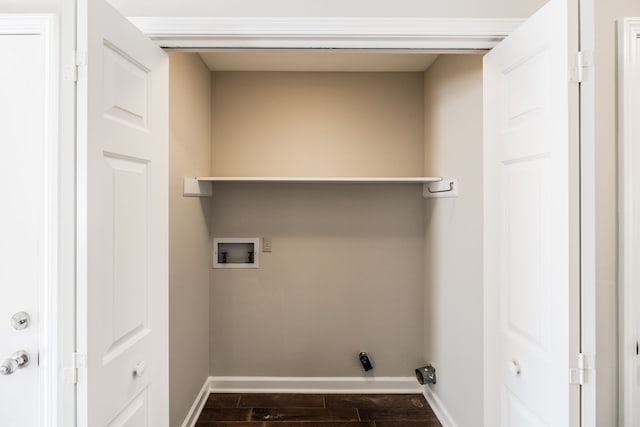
{"type": "Point", "coordinates": [452, 35]}
{"type": "Point", "coordinates": [588, 213]}
{"type": "Point", "coordinates": [629, 138]}
{"type": "Point", "coordinates": [51, 335]}
{"type": "Point", "coordinates": [458, 35]}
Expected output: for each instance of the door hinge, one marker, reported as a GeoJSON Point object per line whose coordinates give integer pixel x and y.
{"type": "Point", "coordinates": [78, 59]}
{"type": "Point", "coordinates": [583, 61]}
{"type": "Point", "coordinates": [78, 361]}
{"type": "Point", "coordinates": [581, 374]}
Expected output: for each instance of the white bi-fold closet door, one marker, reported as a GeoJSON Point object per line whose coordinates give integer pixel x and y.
{"type": "Point", "coordinates": [531, 218]}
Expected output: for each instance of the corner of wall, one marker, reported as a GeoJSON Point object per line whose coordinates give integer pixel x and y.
{"type": "Point", "coordinates": [453, 293]}
{"type": "Point", "coordinates": [189, 249]}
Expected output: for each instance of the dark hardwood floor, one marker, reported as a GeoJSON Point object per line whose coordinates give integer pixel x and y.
{"type": "Point", "coordinates": [316, 410]}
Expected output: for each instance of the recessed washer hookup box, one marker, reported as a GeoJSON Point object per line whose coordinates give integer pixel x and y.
{"type": "Point", "coordinates": [236, 252]}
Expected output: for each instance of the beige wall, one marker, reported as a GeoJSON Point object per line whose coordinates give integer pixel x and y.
{"type": "Point", "coordinates": [317, 124]}
{"type": "Point", "coordinates": [453, 310]}
{"type": "Point", "coordinates": [457, 8]}
{"type": "Point", "coordinates": [606, 13]}
{"type": "Point", "coordinates": [189, 250]}
{"type": "Point", "coordinates": [345, 276]}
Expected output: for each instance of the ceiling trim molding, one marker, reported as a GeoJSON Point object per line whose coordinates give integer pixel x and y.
{"type": "Point", "coordinates": [328, 33]}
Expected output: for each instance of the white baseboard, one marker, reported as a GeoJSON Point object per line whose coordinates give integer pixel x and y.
{"type": "Point", "coordinates": [438, 407]}
{"type": "Point", "coordinates": [325, 385]}
{"type": "Point", "coordinates": [193, 414]}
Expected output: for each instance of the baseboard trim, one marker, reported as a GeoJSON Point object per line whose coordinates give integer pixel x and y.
{"type": "Point", "coordinates": [438, 407]}
{"type": "Point", "coordinates": [325, 385]}
{"type": "Point", "coordinates": [193, 414]}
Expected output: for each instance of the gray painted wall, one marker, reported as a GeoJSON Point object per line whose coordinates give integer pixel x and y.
{"type": "Point", "coordinates": [189, 249]}
{"type": "Point", "coordinates": [31, 6]}
{"type": "Point", "coordinates": [453, 266]}
{"type": "Point", "coordinates": [606, 14]}
{"type": "Point", "coordinates": [345, 276]}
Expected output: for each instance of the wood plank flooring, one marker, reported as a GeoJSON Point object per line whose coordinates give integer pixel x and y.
{"type": "Point", "coordinates": [317, 410]}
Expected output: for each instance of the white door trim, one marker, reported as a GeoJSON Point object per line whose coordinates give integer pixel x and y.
{"type": "Point", "coordinates": [588, 213]}
{"type": "Point", "coordinates": [344, 33]}
{"type": "Point", "coordinates": [51, 335]}
{"type": "Point", "coordinates": [629, 133]}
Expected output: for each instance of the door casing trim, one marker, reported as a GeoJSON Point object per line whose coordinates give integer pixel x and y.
{"type": "Point", "coordinates": [330, 33]}
{"type": "Point", "coordinates": [628, 134]}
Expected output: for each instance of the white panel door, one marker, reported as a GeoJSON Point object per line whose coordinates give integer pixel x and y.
{"type": "Point", "coordinates": [531, 213]}
{"type": "Point", "coordinates": [23, 221]}
{"type": "Point", "coordinates": [122, 222]}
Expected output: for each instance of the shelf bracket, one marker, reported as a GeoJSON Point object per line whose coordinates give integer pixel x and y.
{"type": "Point", "coordinates": [446, 188]}
{"type": "Point", "coordinates": [194, 188]}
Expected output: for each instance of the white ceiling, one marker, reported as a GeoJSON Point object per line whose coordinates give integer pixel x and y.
{"type": "Point", "coordinates": [315, 60]}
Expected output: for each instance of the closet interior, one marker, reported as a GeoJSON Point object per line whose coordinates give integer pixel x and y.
{"type": "Point", "coordinates": [322, 204]}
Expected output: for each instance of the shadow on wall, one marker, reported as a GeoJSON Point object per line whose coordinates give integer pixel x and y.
{"type": "Point", "coordinates": [453, 305]}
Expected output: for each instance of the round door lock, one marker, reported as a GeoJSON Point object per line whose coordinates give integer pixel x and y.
{"type": "Point", "coordinates": [8, 366]}
{"type": "Point", "coordinates": [19, 360]}
{"type": "Point", "coordinates": [20, 320]}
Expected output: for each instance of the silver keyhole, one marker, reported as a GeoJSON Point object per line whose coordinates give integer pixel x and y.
{"type": "Point", "coordinates": [20, 320]}
{"type": "Point", "coordinates": [19, 360]}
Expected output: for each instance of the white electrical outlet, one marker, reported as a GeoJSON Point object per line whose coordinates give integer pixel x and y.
{"type": "Point", "coordinates": [267, 244]}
